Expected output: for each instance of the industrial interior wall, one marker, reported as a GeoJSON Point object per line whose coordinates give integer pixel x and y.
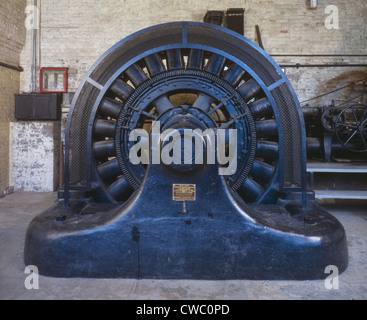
{"type": "Point", "coordinates": [12, 39]}
{"type": "Point", "coordinates": [75, 33]}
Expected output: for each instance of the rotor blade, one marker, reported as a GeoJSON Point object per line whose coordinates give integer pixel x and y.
{"type": "Point", "coordinates": [234, 75]}
{"type": "Point", "coordinates": [266, 128]}
{"type": "Point", "coordinates": [121, 89]}
{"type": "Point", "coordinates": [267, 150]}
{"type": "Point", "coordinates": [261, 108]}
{"type": "Point", "coordinates": [250, 190]}
{"type": "Point", "coordinates": [154, 64]}
{"type": "Point", "coordinates": [104, 128]}
{"type": "Point", "coordinates": [163, 104]}
{"type": "Point", "coordinates": [110, 108]}
{"type": "Point", "coordinates": [203, 102]}
{"type": "Point", "coordinates": [261, 171]}
{"type": "Point", "coordinates": [196, 59]}
{"type": "Point", "coordinates": [215, 64]}
{"type": "Point", "coordinates": [121, 190]}
{"type": "Point", "coordinates": [104, 149]}
{"type": "Point", "coordinates": [175, 59]}
{"type": "Point", "coordinates": [109, 170]}
{"type": "Point", "coordinates": [136, 75]}
{"type": "Point", "coordinates": [249, 89]}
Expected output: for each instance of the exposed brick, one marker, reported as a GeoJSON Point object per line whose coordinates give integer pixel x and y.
{"type": "Point", "coordinates": [75, 33]}
{"type": "Point", "coordinates": [12, 39]}
{"type": "Point", "coordinates": [9, 85]}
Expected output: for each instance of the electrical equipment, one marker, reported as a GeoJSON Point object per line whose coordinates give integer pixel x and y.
{"type": "Point", "coordinates": [36, 106]}
{"type": "Point", "coordinates": [235, 20]}
{"type": "Point", "coordinates": [124, 214]}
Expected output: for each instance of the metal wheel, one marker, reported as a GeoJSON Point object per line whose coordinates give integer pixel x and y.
{"type": "Point", "coordinates": [328, 119]}
{"type": "Point", "coordinates": [351, 127]}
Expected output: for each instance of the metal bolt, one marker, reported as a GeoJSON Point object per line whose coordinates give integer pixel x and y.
{"type": "Point", "coordinates": [184, 208]}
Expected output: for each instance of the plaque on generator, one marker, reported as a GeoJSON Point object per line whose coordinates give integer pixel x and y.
{"type": "Point", "coordinates": [184, 192]}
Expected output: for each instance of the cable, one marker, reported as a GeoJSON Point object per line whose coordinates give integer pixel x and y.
{"type": "Point", "coordinates": [325, 94]}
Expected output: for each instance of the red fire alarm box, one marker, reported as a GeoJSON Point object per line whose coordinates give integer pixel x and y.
{"type": "Point", "coordinates": [53, 80]}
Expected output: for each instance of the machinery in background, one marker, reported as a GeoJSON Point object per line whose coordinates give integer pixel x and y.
{"type": "Point", "coordinates": [337, 132]}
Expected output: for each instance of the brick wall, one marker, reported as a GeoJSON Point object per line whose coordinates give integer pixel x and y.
{"type": "Point", "coordinates": [75, 33]}
{"type": "Point", "coordinates": [12, 30]}
{"type": "Point", "coordinates": [12, 39]}
{"type": "Point", "coordinates": [9, 85]}
{"type": "Point", "coordinates": [289, 28]}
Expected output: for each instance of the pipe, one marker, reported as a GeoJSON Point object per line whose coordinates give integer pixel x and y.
{"type": "Point", "coordinates": [35, 50]}
{"type": "Point", "coordinates": [330, 92]}
{"type": "Point", "coordinates": [334, 65]}
{"type": "Point", "coordinates": [317, 55]}
{"type": "Point", "coordinates": [33, 55]}
{"type": "Point", "coordinates": [258, 35]}
{"type": "Point", "coordinates": [8, 66]}
{"type": "Point", "coordinates": [310, 112]}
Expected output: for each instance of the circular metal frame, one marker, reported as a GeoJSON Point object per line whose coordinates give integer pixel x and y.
{"type": "Point", "coordinates": [191, 47]}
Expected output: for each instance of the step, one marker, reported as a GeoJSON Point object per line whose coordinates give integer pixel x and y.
{"type": "Point", "coordinates": [359, 167]}
{"type": "Point", "coordinates": [341, 194]}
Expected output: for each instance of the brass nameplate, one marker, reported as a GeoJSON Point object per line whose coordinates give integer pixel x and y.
{"type": "Point", "coordinates": [184, 192]}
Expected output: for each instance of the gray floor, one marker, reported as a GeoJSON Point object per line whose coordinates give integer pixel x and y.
{"type": "Point", "coordinates": [17, 210]}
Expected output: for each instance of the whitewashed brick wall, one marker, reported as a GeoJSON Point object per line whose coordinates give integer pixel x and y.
{"type": "Point", "coordinates": [34, 156]}
{"type": "Point", "coordinates": [75, 33]}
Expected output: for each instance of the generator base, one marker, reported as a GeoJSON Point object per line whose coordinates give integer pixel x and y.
{"type": "Point", "coordinates": [214, 238]}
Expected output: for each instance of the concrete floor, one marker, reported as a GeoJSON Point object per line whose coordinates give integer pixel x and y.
{"type": "Point", "coordinates": [17, 210]}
